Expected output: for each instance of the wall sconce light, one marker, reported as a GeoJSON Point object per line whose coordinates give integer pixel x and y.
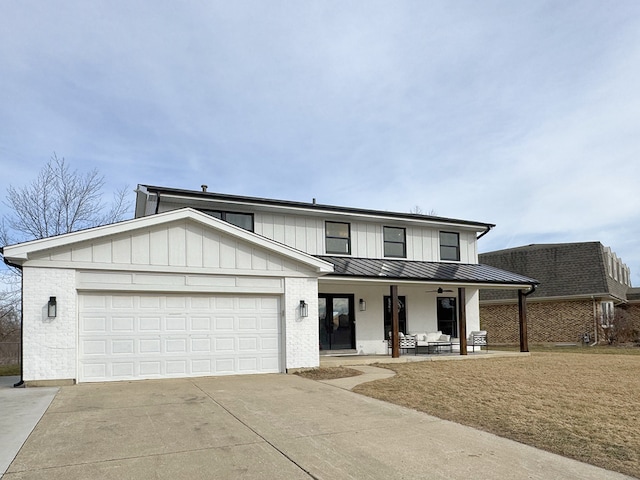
{"type": "Point", "coordinates": [304, 309]}
{"type": "Point", "coordinates": [52, 307]}
{"type": "Point", "coordinates": [363, 305]}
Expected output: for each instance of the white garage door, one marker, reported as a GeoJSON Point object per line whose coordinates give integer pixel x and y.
{"type": "Point", "coordinates": [123, 337]}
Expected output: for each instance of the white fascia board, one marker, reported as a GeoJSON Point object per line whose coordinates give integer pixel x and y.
{"type": "Point", "coordinates": [20, 252]}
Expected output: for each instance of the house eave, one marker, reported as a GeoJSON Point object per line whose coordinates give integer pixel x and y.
{"type": "Point", "coordinates": [312, 209]}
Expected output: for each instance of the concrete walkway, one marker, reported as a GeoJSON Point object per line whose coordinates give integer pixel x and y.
{"type": "Point", "coordinates": [369, 374]}
{"type": "Point", "coordinates": [21, 409]}
{"type": "Point", "coordinates": [264, 427]}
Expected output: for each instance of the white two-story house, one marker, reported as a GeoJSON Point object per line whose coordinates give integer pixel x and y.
{"type": "Point", "coordinates": [201, 283]}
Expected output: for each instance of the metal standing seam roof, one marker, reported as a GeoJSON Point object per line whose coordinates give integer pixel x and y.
{"type": "Point", "coordinates": [424, 271]}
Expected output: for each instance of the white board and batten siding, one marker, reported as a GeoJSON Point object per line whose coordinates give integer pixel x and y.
{"type": "Point", "coordinates": [308, 234]}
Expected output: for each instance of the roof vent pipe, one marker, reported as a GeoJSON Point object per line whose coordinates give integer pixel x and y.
{"type": "Point", "coordinates": [204, 187]}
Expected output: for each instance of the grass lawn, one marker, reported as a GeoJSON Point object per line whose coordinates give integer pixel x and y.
{"type": "Point", "coordinates": [581, 406]}
{"type": "Point", "coordinates": [9, 370]}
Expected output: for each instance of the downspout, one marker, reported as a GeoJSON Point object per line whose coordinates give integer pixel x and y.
{"type": "Point", "coordinates": [595, 322]}
{"type": "Point", "coordinates": [487, 230]}
{"type": "Point", "coordinates": [531, 290]}
{"type": "Point", "coordinates": [157, 202]}
{"type": "Point", "coordinates": [20, 383]}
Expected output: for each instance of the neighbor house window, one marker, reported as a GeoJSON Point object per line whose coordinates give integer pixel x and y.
{"type": "Point", "coordinates": [607, 313]}
{"type": "Point", "coordinates": [338, 237]}
{"type": "Point", "coordinates": [394, 242]}
{"type": "Point", "coordinates": [449, 246]}
{"type": "Point", "coordinates": [242, 220]}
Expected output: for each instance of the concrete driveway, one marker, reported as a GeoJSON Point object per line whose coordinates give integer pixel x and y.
{"type": "Point", "coordinates": [263, 427]}
{"type": "Point", "coordinates": [20, 411]}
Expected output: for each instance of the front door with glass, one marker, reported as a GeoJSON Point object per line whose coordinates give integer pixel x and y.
{"type": "Point", "coordinates": [337, 323]}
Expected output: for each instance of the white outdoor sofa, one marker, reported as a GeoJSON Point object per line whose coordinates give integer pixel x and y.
{"type": "Point", "coordinates": [433, 342]}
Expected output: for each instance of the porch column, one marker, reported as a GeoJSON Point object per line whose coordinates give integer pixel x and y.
{"type": "Point", "coordinates": [395, 344]}
{"type": "Point", "coordinates": [522, 314]}
{"type": "Point", "coordinates": [462, 302]}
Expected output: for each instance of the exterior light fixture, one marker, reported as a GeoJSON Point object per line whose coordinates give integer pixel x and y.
{"type": "Point", "coordinates": [52, 307]}
{"type": "Point", "coordinates": [363, 305]}
{"type": "Point", "coordinates": [304, 308]}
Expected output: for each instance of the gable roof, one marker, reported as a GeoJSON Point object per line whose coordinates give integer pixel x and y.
{"type": "Point", "coordinates": [300, 207]}
{"type": "Point", "coordinates": [441, 272]}
{"type": "Point", "coordinates": [563, 269]}
{"type": "Point", "coordinates": [20, 253]}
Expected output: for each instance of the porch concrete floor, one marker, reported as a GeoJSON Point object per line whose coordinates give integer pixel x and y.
{"type": "Point", "coordinates": [341, 360]}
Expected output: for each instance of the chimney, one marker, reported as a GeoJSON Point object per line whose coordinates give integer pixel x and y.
{"type": "Point", "coordinates": [204, 187]}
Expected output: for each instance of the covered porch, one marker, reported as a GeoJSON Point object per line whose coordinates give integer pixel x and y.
{"type": "Point", "coordinates": [350, 360]}
{"type": "Point", "coordinates": [366, 304]}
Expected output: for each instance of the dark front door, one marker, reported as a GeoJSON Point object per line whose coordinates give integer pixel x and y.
{"type": "Point", "coordinates": [448, 316]}
{"type": "Point", "coordinates": [336, 319]}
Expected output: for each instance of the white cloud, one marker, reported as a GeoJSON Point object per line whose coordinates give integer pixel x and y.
{"type": "Point", "coordinates": [522, 114]}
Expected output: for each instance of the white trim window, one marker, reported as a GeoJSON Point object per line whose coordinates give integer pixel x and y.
{"type": "Point", "coordinates": [607, 314]}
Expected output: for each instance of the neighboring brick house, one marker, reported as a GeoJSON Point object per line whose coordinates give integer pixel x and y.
{"type": "Point", "coordinates": [581, 284]}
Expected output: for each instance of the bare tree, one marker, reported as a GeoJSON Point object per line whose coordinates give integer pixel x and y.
{"type": "Point", "coordinates": [61, 200]}
{"type": "Point", "coordinates": [417, 209]}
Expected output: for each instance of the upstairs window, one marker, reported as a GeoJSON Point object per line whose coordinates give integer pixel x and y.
{"type": "Point", "coordinates": [395, 242]}
{"type": "Point", "coordinates": [450, 246]}
{"type": "Point", "coordinates": [338, 238]}
{"type": "Point", "coordinates": [242, 220]}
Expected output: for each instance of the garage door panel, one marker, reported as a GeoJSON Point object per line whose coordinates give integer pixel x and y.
{"type": "Point", "coordinates": [126, 346]}
{"type": "Point", "coordinates": [201, 324]}
{"type": "Point", "coordinates": [176, 324]}
{"type": "Point", "coordinates": [150, 324]}
{"type": "Point", "coordinates": [144, 336]}
{"type": "Point", "coordinates": [224, 323]}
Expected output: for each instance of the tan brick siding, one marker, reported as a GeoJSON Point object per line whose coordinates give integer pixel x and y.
{"type": "Point", "coordinates": [565, 321]}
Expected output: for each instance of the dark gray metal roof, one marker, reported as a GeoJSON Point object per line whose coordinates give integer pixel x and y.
{"type": "Point", "coordinates": [423, 271]}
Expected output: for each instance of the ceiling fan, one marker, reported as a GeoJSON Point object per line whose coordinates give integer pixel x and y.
{"type": "Point", "coordinates": [439, 290]}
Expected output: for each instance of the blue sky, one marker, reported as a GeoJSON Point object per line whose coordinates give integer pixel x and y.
{"type": "Point", "coordinates": [524, 114]}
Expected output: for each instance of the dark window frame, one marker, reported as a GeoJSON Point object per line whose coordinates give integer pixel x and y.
{"type": "Point", "coordinates": [333, 237]}
{"type": "Point", "coordinates": [402, 314]}
{"type": "Point", "coordinates": [393, 242]}
{"type": "Point", "coordinates": [222, 215]}
{"type": "Point", "coordinates": [445, 248]}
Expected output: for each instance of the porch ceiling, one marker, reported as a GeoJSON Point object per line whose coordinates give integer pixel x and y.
{"type": "Point", "coordinates": [369, 268]}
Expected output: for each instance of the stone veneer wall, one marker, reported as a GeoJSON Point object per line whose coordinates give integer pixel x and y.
{"type": "Point", "coordinates": [564, 321]}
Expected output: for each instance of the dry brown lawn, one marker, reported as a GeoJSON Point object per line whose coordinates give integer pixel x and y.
{"type": "Point", "coordinates": [585, 407]}
{"type": "Point", "coordinates": [328, 373]}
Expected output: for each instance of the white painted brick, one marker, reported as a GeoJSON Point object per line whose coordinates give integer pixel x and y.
{"type": "Point", "coordinates": [49, 344]}
{"type": "Point", "coordinates": [301, 334]}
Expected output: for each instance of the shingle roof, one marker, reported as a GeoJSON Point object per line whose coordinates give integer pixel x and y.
{"type": "Point", "coordinates": [633, 294]}
{"type": "Point", "coordinates": [423, 271]}
{"type": "Point", "coordinates": [565, 269]}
